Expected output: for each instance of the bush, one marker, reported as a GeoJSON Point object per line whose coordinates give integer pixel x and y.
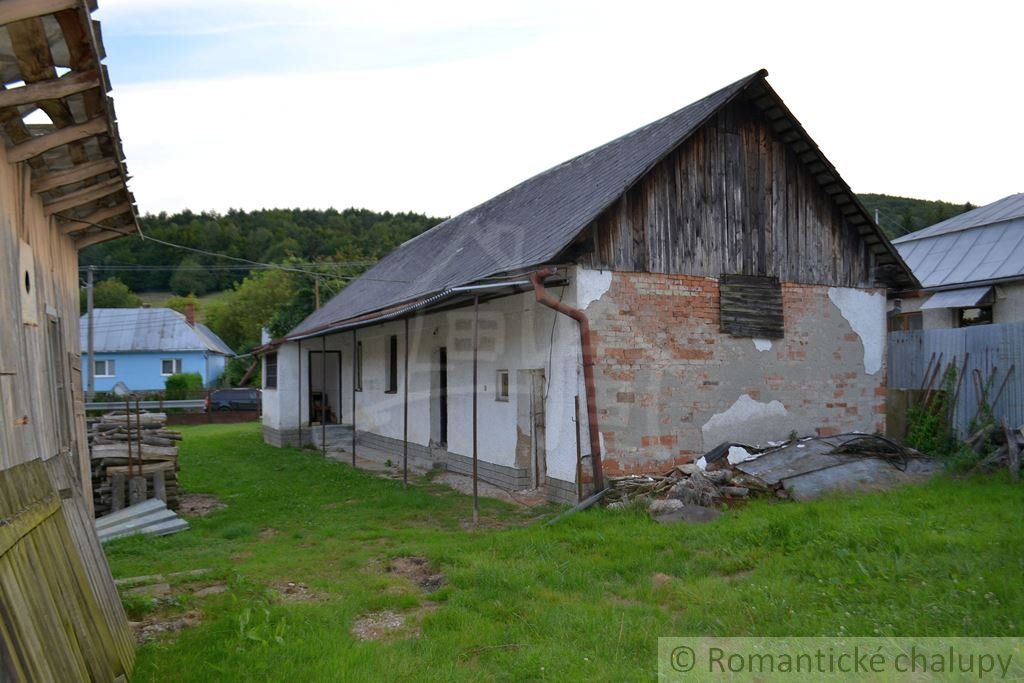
{"type": "Point", "coordinates": [183, 386]}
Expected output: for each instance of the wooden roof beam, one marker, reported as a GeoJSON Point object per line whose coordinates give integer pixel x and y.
{"type": "Point", "coordinates": [19, 10]}
{"type": "Point", "coordinates": [84, 196]}
{"type": "Point", "coordinates": [53, 89]}
{"type": "Point", "coordinates": [74, 225]}
{"type": "Point", "coordinates": [62, 136]}
{"type": "Point", "coordinates": [102, 236]}
{"type": "Point", "coordinates": [75, 174]}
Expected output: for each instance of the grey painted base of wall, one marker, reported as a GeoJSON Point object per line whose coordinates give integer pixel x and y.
{"type": "Point", "coordinates": [561, 491]}
{"type": "Point", "coordinates": [502, 476]}
{"type": "Point", "coordinates": [421, 458]}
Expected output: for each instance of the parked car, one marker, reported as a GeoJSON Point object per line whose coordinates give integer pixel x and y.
{"type": "Point", "coordinates": [234, 399]}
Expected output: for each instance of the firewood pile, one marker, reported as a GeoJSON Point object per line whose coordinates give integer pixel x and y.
{"type": "Point", "coordinates": [134, 458]}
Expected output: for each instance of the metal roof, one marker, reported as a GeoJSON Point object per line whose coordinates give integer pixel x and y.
{"type": "Point", "coordinates": [148, 329]}
{"type": "Point", "coordinates": [982, 245]}
{"type": "Point", "coordinates": [532, 223]}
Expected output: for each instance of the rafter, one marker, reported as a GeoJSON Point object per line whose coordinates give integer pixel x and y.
{"type": "Point", "coordinates": [51, 89]}
{"type": "Point", "coordinates": [19, 10]}
{"type": "Point", "coordinates": [84, 196]}
{"type": "Point", "coordinates": [74, 225]}
{"type": "Point", "coordinates": [75, 174]}
{"type": "Point", "coordinates": [103, 236]}
{"type": "Point", "coordinates": [62, 136]}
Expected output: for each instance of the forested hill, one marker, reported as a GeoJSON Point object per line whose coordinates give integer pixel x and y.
{"type": "Point", "coordinates": [900, 215]}
{"type": "Point", "coordinates": [265, 236]}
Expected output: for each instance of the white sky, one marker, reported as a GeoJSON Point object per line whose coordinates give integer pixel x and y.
{"type": "Point", "coordinates": [436, 106]}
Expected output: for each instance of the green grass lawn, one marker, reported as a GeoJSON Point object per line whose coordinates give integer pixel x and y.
{"type": "Point", "coordinates": [578, 600]}
{"type": "Point", "coordinates": [159, 299]}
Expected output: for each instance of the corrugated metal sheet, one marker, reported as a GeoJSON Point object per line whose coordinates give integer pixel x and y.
{"type": "Point", "coordinates": [530, 224]}
{"type": "Point", "coordinates": [998, 211]}
{"type": "Point", "coordinates": [148, 329]}
{"type": "Point", "coordinates": [997, 347]}
{"type": "Point", "coordinates": [984, 244]}
{"type": "Point", "coordinates": [957, 298]}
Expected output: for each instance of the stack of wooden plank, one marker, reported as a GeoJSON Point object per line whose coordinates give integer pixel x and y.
{"type": "Point", "coordinates": [134, 458]}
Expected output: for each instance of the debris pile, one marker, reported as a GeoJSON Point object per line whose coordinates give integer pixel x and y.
{"type": "Point", "coordinates": [998, 446]}
{"type": "Point", "coordinates": [134, 458]}
{"type": "Point", "coordinates": [797, 469]}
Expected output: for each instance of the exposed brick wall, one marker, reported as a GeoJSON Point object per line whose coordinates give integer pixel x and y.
{"type": "Point", "coordinates": [663, 369]}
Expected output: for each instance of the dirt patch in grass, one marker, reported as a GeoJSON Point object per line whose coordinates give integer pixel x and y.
{"type": "Point", "coordinates": [294, 591]}
{"type": "Point", "coordinates": [390, 624]}
{"type": "Point", "coordinates": [199, 504]}
{"type": "Point", "coordinates": [268, 533]}
{"type": "Point", "coordinates": [418, 570]}
{"type": "Point", "coordinates": [157, 627]}
{"type": "Point", "coordinates": [658, 579]}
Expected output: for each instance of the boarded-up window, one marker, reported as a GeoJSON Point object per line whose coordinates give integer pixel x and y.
{"type": "Point", "coordinates": [270, 371]}
{"type": "Point", "coordinates": [751, 306]}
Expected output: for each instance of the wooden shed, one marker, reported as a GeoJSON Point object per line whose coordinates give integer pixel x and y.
{"type": "Point", "coordinates": [62, 187]}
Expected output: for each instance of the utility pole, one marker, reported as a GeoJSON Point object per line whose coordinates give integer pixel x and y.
{"type": "Point", "coordinates": [91, 382]}
{"type": "Point", "coordinates": [316, 288]}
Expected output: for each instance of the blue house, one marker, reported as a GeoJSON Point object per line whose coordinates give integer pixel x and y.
{"type": "Point", "coordinates": [141, 347]}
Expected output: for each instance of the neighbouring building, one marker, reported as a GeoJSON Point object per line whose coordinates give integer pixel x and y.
{"type": "Point", "coordinates": [139, 348]}
{"type": "Point", "coordinates": [971, 268]}
{"type": "Point", "coordinates": [63, 186]}
{"type": "Point", "coordinates": [708, 277]}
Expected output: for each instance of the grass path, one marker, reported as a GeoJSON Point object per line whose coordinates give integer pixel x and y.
{"type": "Point", "coordinates": [580, 600]}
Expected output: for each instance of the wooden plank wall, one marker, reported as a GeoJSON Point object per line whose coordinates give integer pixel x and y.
{"type": "Point", "coordinates": [52, 626]}
{"type": "Point", "coordinates": [731, 199]}
{"type": "Point", "coordinates": [29, 395]}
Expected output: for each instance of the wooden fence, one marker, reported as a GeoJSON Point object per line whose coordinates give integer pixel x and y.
{"type": "Point", "coordinates": [994, 359]}
{"type": "Point", "coordinates": [60, 616]}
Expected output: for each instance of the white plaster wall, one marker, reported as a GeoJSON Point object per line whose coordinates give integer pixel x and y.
{"type": "Point", "coordinates": [865, 312]}
{"type": "Point", "coordinates": [516, 333]}
{"type": "Point", "coordinates": [1009, 305]}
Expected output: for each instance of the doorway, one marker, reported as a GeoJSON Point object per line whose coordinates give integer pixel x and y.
{"type": "Point", "coordinates": [532, 454]}
{"type": "Point", "coordinates": [442, 396]}
{"type": "Point", "coordinates": [324, 401]}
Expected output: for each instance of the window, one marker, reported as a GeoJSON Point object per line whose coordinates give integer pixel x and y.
{"type": "Point", "coordinates": [905, 322]}
{"type": "Point", "coordinates": [170, 366]}
{"type": "Point", "coordinates": [501, 386]}
{"type": "Point", "coordinates": [270, 371]}
{"type": "Point", "coordinates": [751, 306]}
{"type": "Point", "coordinates": [392, 374]}
{"type": "Point", "coordinates": [103, 368]}
{"type": "Point", "coordinates": [978, 315]}
{"type": "Point", "coordinates": [359, 366]}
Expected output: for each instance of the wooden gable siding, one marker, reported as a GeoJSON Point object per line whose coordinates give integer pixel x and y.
{"type": "Point", "coordinates": [732, 199]}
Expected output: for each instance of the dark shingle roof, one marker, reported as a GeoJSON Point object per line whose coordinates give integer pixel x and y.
{"type": "Point", "coordinates": [532, 223]}
{"type": "Point", "coordinates": [524, 226]}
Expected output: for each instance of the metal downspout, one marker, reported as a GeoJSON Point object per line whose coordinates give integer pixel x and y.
{"type": "Point", "coordinates": [586, 343]}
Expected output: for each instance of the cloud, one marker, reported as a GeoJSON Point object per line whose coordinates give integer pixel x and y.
{"type": "Point", "coordinates": [436, 107]}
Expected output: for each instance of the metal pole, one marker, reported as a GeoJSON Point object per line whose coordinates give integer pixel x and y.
{"type": "Point", "coordinates": [323, 394]}
{"type": "Point", "coordinates": [138, 435]}
{"type": "Point", "coordinates": [354, 370]}
{"type": "Point", "coordinates": [90, 390]}
{"type": "Point", "coordinates": [476, 339]}
{"type": "Point", "coordinates": [579, 455]}
{"type": "Point", "coordinates": [405, 412]}
{"type": "Point", "coordinates": [299, 375]}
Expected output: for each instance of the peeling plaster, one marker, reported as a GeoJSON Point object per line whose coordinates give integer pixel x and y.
{"type": "Point", "coordinates": [591, 285]}
{"type": "Point", "coordinates": [762, 344]}
{"type": "Point", "coordinates": [865, 311]}
{"type": "Point", "coordinates": [747, 421]}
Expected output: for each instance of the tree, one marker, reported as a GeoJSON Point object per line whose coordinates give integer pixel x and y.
{"type": "Point", "coordinates": [238, 316]}
{"type": "Point", "coordinates": [178, 303]}
{"type": "Point", "coordinates": [110, 293]}
{"type": "Point", "coordinates": [190, 278]}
